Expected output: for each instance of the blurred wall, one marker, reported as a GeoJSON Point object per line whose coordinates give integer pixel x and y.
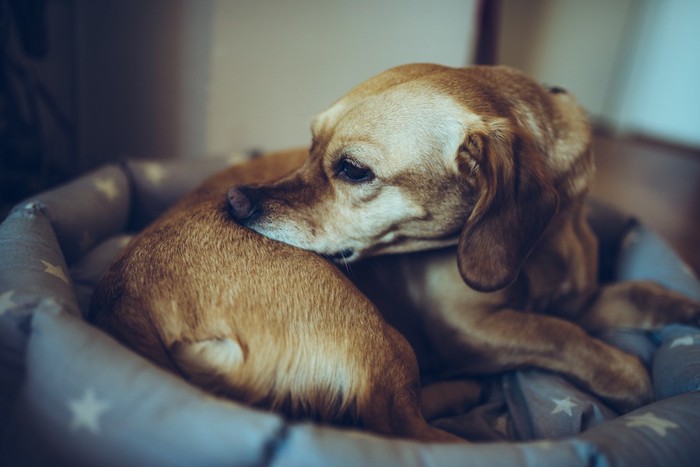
{"type": "Point", "coordinates": [658, 89]}
{"type": "Point", "coordinates": [634, 64]}
{"type": "Point", "coordinates": [574, 44]}
{"type": "Point", "coordinates": [131, 71]}
{"type": "Point", "coordinates": [171, 78]}
{"type": "Point", "coordinates": [41, 139]}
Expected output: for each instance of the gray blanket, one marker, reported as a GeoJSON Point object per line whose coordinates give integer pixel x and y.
{"type": "Point", "coordinates": [71, 395]}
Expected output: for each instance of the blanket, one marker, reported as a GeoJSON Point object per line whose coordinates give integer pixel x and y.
{"type": "Point", "coordinates": [71, 395]}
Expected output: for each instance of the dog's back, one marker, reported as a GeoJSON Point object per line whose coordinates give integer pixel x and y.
{"type": "Point", "coordinates": [257, 320]}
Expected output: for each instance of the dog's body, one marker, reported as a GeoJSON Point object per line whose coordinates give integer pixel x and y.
{"type": "Point", "coordinates": [423, 156]}
{"type": "Point", "coordinates": [257, 320]}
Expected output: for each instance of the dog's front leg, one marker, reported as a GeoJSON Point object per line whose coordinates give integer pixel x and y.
{"type": "Point", "coordinates": [510, 339]}
{"type": "Point", "coordinates": [633, 304]}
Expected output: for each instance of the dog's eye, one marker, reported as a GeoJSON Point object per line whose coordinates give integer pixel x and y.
{"type": "Point", "coordinates": [354, 173]}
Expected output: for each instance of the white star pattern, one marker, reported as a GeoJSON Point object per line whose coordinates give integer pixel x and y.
{"type": "Point", "coordinates": [632, 237]}
{"type": "Point", "coordinates": [501, 425]}
{"type": "Point", "coordinates": [563, 405]}
{"type": "Point", "coordinates": [6, 303]}
{"type": "Point", "coordinates": [545, 445]}
{"type": "Point", "coordinates": [651, 421]}
{"type": "Point", "coordinates": [86, 412]}
{"type": "Point", "coordinates": [107, 187]}
{"type": "Point", "coordinates": [155, 173]}
{"type": "Point", "coordinates": [55, 271]}
{"type": "Point", "coordinates": [682, 341]}
{"type": "Point", "coordinates": [49, 305]}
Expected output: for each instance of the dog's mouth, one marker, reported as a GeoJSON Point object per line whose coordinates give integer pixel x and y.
{"type": "Point", "coordinates": [343, 256]}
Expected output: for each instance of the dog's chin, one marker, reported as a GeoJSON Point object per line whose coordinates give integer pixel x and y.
{"type": "Point", "coordinates": [350, 255]}
{"type": "Point", "coordinates": [410, 245]}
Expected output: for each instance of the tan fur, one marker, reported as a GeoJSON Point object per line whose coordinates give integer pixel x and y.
{"type": "Point", "coordinates": [257, 320]}
{"type": "Point", "coordinates": [485, 158]}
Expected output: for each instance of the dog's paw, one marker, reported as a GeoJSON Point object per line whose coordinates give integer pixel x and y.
{"type": "Point", "coordinates": [692, 313]}
{"type": "Point", "coordinates": [677, 308]}
{"type": "Point", "coordinates": [625, 385]}
{"type": "Point", "coordinates": [665, 306]}
{"type": "Point", "coordinates": [689, 311]}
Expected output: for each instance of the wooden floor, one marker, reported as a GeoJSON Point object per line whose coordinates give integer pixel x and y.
{"type": "Point", "coordinates": [658, 184]}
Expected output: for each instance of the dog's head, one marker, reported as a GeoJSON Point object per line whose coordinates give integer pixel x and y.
{"type": "Point", "coordinates": [424, 156]}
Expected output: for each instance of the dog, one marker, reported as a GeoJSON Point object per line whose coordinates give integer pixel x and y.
{"type": "Point", "coordinates": [426, 157]}
{"type": "Point", "coordinates": [259, 321]}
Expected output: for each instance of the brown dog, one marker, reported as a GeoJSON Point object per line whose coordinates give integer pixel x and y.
{"type": "Point", "coordinates": [258, 320]}
{"type": "Point", "coordinates": [424, 156]}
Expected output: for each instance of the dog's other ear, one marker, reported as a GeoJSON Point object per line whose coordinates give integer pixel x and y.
{"type": "Point", "coordinates": [515, 202]}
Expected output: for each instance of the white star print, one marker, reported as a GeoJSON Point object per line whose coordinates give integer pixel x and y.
{"type": "Point", "coordinates": [49, 305]}
{"type": "Point", "coordinates": [682, 341]}
{"type": "Point", "coordinates": [155, 173]}
{"type": "Point", "coordinates": [651, 421]}
{"type": "Point", "coordinates": [501, 425]}
{"type": "Point", "coordinates": [631, 238]}
{"type": "Point", "coordinates": [86, 412]}
{"type": "Point", "coordinates": [55, 271]}
{"type": "Point", "coordinates": [6, 303]}
{"type": "Point", "coordinates": [545, 445]}
{"type": "Point", "coordinates": [563, 405]}
{"type": "Point", "coordinates": [107, 187]}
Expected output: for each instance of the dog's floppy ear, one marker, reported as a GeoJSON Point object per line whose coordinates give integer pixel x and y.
{"type": "Point", "coordinates": [515, 202]}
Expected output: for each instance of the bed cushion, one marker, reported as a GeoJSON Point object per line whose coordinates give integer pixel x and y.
{"type": "Point", "coordinates": [69, 394]}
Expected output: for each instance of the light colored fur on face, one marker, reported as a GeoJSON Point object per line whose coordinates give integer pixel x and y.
{"type": "Point", "coordinates": [391, 220]}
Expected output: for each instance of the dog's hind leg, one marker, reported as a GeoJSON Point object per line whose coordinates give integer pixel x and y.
{"type": "Point", "coordinates": [390, 403]}
{"type": "Point", "coordinates": [398, 414]}
{"type": "Point", "coordinates": [208, 363]}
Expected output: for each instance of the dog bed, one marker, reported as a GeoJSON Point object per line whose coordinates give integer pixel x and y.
{"type": "Point", "coordinates": [71, 395]}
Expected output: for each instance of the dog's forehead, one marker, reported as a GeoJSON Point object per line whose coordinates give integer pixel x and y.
{"type": "Point", "coordinates": [374, 86]}
{"type": "Point", "coordinates": [404, 122]}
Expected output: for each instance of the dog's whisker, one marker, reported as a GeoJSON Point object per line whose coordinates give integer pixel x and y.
{"type": "Point", "coordinates": [346, 264]}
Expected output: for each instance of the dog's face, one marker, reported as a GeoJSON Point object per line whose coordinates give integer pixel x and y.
{"type": "Point", "coordinates": [375, 182]}
{"type": "Point", "coordinates": [415, 158]}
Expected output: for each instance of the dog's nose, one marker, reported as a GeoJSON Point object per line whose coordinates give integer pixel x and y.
{"type": "Point", "coordinates": [240, 203]}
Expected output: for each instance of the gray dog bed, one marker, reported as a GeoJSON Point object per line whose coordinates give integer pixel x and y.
{"type": "Point", "coordinates": [71, 395]}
